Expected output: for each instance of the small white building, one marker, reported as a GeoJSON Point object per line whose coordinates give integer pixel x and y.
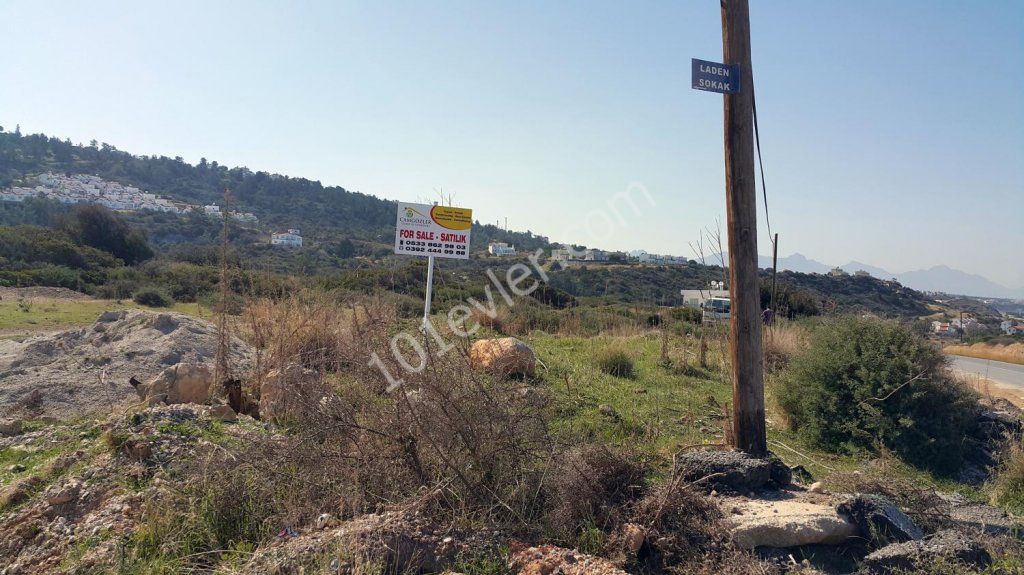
{"type": "Point", "coordinates": [289, 239]}
{"type": "Point", "coordinates": [501, 249]}
{"type": "Point", "coordinates": [595, 256]}
{"type": "Point", "coordinates": [1012, 327]}
{"type": "Point", "coordinates": [697, 297]}
{"type": "Point", "coordinates": [561, 255]}
{"type": "Point", "coordinates": [211, 210]}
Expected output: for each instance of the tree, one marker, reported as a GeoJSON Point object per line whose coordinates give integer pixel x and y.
{"type": "Point", "coordinates": [98, 227]}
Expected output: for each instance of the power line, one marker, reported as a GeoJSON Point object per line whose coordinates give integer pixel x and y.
{"type": "Point", "coordinates": [760, 161]}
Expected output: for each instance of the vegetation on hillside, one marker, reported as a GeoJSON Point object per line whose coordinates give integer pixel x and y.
{"type": "Point", "coordinates": [325, 214]}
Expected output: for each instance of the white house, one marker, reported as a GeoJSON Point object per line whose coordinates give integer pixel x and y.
{"type": "Point", "coordinates": [211, 210]}
{"type": "Point", "coordinates": [501, 249]}
{"type": "Point", "coordinates": [290, 239]}
{"type": "Point", "coordinates": [1011, 327]}
{"type": "Point", "coordinates": [561, 255]}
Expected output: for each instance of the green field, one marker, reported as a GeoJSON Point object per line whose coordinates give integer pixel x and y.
{"type": "Point", "coordinates": [21, 317]}
{"type": "Point", "coordinates": [668, 407]}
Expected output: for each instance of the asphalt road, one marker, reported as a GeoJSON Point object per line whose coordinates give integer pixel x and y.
{"type": "Point", "coordinates": [1010, 374]}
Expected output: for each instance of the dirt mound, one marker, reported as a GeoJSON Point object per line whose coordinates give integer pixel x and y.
{"type": "Point", "coordinates": [40, 292]}
{"type": "Point", "coordinates": [82, 370]}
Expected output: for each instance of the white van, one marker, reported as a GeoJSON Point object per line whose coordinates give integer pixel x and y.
{"type": "Point", "coordinates": [716, 308]}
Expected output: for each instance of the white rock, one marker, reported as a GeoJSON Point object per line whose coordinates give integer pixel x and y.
{"type": "Point", "coordinates": [787, 523]}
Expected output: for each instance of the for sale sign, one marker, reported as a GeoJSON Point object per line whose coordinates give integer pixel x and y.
{"type": "Point", "coordinates": [424, 230]}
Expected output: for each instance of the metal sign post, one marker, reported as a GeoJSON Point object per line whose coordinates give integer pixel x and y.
{"type": "Point", "coordinates": [430, 290]}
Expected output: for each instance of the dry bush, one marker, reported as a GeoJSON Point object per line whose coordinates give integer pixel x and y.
{"type": "Point", "coordinates": [1007, 487]}
{"type": "Point", "coordinates": [1012, 353]}
{"type": "Point", "coordinates": [446, 424]}
{"type": "Point", "coordinates": [589, 486]}
{"type": "Point", "coordinates": [495, 322]}
{"type": "Point", "coordinates": [782, 341]}
{"type": "Point", "coordinates": [307, 328]}
{"type": "Point", "coordinates": [682, 533]}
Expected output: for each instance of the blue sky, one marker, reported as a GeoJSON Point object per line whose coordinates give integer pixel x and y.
{"type": "Point", "coordinates": [892, 132]}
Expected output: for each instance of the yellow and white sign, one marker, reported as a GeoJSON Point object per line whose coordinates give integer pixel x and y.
{"type": "Point", "coordinates": [424, 230]}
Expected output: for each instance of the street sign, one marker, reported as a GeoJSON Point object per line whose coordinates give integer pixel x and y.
{"type": "Point", "coordinates": [424, 230]}
{"type": "Point", "coordinates": [715, 77]}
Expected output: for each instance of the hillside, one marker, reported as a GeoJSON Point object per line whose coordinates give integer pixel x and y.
{"type": "Point", "coordinates": [325, 214]}
{"type": "Point", "coordinates": [797, 293]}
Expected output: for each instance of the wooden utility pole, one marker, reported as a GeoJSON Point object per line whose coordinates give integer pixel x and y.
{"type": "Point", "coordinates": [741, 208]}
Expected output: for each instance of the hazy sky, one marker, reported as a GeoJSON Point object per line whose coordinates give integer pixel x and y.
{"type": "Point", "coordinates": [892, 132]}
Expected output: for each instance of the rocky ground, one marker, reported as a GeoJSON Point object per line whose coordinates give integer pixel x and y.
{"type": "Point", "coordinates": [75, 494]}
{"type": "Point", "coordinates": [83, 495]}
{"type": "Point", "coordinates": [83, 370]}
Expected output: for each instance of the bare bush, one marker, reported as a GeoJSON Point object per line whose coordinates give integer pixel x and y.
{"type": "Point", "coordinates": [589, 486]}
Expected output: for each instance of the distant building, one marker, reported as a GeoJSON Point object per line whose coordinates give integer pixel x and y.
{"type": "Point", "coordinates": [211, 210]}
{"type": "Point", "coordinates": [1011, 327]}
{"type": "Point", "coordinates": [290, 239]}
{"type": "Point", "coordinates": [837, 272]}
{"type": "Point", "coordinates": [86, 189]}
{"type": "Point", "coordinates": [943, 328]}
{"type": "Point", "coordinates": [595, 256]}
{"type": "Point", "coordinates": [501, 249]}
{"type": "Point", "coordinates": [561, 255]}
{"type": "Point", "coordinates": [247, 217]}
{"type": "Point", "coordinates": [697, 297]}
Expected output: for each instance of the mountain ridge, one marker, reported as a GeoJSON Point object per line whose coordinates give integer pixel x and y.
{"type": "Point", "coordinates": [937, 278]}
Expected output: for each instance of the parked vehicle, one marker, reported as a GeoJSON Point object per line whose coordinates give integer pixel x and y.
{"type": "Point", "coordinates": [716, 309]}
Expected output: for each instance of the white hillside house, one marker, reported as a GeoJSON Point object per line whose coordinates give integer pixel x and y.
{"type": "Point", "coordinates": [501, 249]}
{"type": "Point", "coordinates": [289, 239]}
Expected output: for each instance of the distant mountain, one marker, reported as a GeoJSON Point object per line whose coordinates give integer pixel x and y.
{"type": "Point", "coordinates": [938, 278]}
{"type": "Point", "coordinates": [949, 280]}
{"type": "Point", "coordinates": [795, 263]}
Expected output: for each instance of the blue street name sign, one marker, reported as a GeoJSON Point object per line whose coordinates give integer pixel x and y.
{"type": "Point", "coordinates": [715, 77]}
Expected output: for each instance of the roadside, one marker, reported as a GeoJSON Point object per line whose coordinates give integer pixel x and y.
{"type": "Point", "coordinates": [995, 378]}
{"type": "Point", "coordinates": [1007, 353]}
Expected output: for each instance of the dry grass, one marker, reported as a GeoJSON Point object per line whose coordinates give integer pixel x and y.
{"type": "Point", "coordinates": [1007, 489]}
{"type": "Point", "coordinates": [615, 359]}
{"type": "Point", "coordinates": [1012, 353]}
{"type": "Point", "coordinates": [781, 342]}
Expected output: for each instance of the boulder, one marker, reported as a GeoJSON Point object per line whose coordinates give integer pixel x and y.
{"type": "Point", "coordinates": [949, 545]}
{"type": "Point", "coordinates": [223, 413]}
{"type": "Point", "coordinates": [503, 357]}
{"type": "Point", "coordinates": [10, 427]}
{"type": "Point", "coordinates": [289, 393]}
{"type": "Point", "coordinates": [63, 494]}
{"type": "Point", "coordinates": [786, 523]}
{"type": "Point", "coordinates": [180, 383]}
{"type": "Point", "coordinates": [877, 518]}
{"type": "Point", "coordinates": [733, 471]}
{"type": "Point", "coordinates": [633, 536]}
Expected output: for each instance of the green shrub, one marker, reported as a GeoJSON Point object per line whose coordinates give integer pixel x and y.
{"type": "Point", "coordinates": [615, 360]}
{"type": "Point", "coordinates": [848, 392]}
{"type": "Point", "coordinates": [152, 297]}
{"type": "Point", "coordinates": [688, 314]}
